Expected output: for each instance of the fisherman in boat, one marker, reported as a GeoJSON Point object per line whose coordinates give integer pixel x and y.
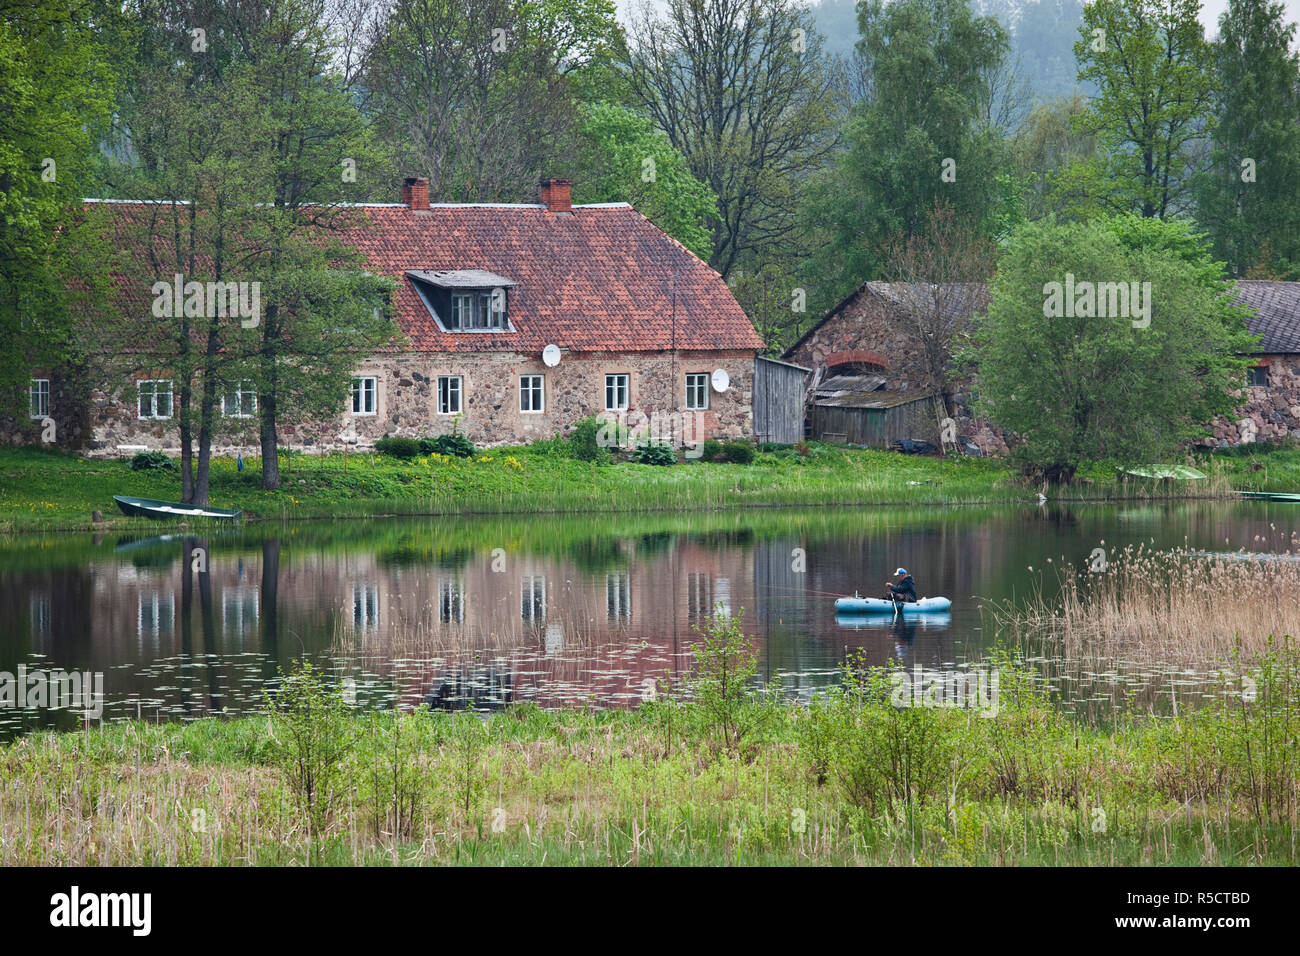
{"type": "Point", "coordinates": [902, 590]}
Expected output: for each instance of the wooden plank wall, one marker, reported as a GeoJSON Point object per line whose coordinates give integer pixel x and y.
{"type": "Point", "coordinates": [778, 401]}
{"type": "Point", "coordinates": [877, 427]}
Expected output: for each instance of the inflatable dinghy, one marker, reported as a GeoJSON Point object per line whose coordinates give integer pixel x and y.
{"type": "Point", "coordinates": [865, 605]}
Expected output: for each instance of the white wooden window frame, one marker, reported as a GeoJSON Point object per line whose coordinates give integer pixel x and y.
{"type": "Point", "coordinates": [363, 387]}
{"type": "Point", "coordinates": [450, 386]}
{"type": "Point", "coordinates": [239, 394]}
{"type": "Point", "coordinates": [618, 388]}
{"type": "Point", "coordinates": [149, 387]}
{"type": "Point", "coordinates": [532, 391]}
{"type": "Point", "coordinates": [38, 398]}
{"type": "Point", "coordinates": [697, 391]}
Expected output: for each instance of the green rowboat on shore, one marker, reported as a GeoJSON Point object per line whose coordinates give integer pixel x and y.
{"type": "Point", "coordinates": [165, 510]}
{"type": "Point", "coordinates": [1270, 495]}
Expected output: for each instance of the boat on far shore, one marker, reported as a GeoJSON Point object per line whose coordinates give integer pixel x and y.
{"type": "Point", "coordinates": [164, 510]}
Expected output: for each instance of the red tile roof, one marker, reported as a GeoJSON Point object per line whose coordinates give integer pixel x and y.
{"type": "Point", "coordinates": [600, 279]}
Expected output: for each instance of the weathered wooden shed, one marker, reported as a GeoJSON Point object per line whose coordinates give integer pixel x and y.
{"type": "Point", "coordinates": [876, 419]}
{"type": "Point", "coordinates": [779, 392]}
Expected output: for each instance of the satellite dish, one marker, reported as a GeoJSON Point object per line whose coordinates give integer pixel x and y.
{"type": "Point", "coordinates": [721, 380]}
{"type": "Point", "coordinates": [551, 356]}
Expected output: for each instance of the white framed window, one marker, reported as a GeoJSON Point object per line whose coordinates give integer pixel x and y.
{"type": "Point", "coordinates": [449, 393]}
{"type": "Point", "coordinates": [364, 392]}
{"type": "Point", "coordinates": [697, 391]}
{"type": "Point", "coordinates": [482, 311]}
{"type": "Point", "coordinates": [616, 392]}
{"type": "Point", "coordinates": [532, 598]}
{"type": "Point", "coordinates": [39, 397]}
{"type": "Point", "coordinates": [532, 393]}
{"type": "Point", "coordinates": [154, 398]}
{"type": "Point", "coordinates": [494, 308]}
{"type": "Point", "coordinates": [462, 311]}
{"type": "Point", "coordinates": [240, 401]}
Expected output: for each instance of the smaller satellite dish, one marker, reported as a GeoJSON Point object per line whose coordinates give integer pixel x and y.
{"type": "Point", "coordinates": [551, 356]}
{"type": "Point", "coordinates": [721, 380]}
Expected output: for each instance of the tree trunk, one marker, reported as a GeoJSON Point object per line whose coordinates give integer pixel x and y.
{"type": "Point", "coordinates": [270, 446]}
{"type": "Point", "coordinates": [268, 409]}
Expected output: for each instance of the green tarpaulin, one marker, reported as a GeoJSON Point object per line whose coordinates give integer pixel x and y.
{"type": "Point", "coordinates": [1165, 471]}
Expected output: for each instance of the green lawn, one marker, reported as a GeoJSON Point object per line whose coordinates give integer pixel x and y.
{"type": "Point", "coordinates": [46, 490]}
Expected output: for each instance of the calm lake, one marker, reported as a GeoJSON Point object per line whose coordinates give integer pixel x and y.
{"type": "Point", "coordinates": [560, 611]}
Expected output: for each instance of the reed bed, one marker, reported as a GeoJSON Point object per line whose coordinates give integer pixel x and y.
{"type": "Point", "coordinates": [1170, 607]}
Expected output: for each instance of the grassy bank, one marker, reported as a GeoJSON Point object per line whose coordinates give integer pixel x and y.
{"type": "Point", "coordinates": [716, 778]}
{"type": "Point", "coordinates": [43, 490]}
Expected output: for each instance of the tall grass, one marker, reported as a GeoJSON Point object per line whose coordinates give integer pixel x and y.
{"type": "Point", "coordinates": [1175, 606]}
{"type": "Point", "coordinates": [846, 781]}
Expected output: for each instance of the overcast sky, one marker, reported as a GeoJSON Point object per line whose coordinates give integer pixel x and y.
{"type": "Point", "coordinates": [1210, 11]}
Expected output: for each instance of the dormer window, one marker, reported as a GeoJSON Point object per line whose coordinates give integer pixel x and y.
{"type": "Point", "coordinates": [468, 300]}
{"type": "Point", "coordinates": [478, 310]}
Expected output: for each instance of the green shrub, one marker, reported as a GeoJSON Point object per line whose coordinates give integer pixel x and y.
{"type": "Point", "coordinates": [584, 442]}
{"type": "Point", "coordinates": [152, 461]}
{"type": "Point", "coordinates": [398, 447]}
{"type": "Point", "coordinates": [655, 453]}
{"type": "Point", "coordinates": [453, 445]}
{"type": "Point", "coordinates": [770, 447]}
{"type": "Point", "coordinates": [312, 736]}
{"type": "Point", "coordinates": [725, 663]}
{"type": "Point", "coordinates": [740, 452]}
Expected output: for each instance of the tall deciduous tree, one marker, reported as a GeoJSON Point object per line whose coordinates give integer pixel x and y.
{"type": "Point", "coordinates": [480, 94]}
{"type": "Point", "coordinates": [920, 134]}
{"type": "Point", "coordinates": [56, 87]}
{"type": "Point", "coordinates": [1080, 372]}
{"type": "Point", "coordinates": [1152, 66]}
{"type": "Point", "coordinates": [1250, 197]}
{"type": "Point", "coordinates": [625, 159]}
{"type": "Point", "coordinates": [253, 146]}
{"type": "Point", "coordinates": [940, 273]}
{"type": "Point", "coordinates": [743, 90]}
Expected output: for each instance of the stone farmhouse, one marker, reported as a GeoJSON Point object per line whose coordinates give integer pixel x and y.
{"type": "Point", "coordinates": [863, 355]}
{"type": "Point", "coordinates": [520, 320]}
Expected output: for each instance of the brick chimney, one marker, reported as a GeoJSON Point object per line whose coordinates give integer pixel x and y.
{"type": "Point", "coordinates": [415, 192]}
{"type": "Point", "coordinates": [555, 195]}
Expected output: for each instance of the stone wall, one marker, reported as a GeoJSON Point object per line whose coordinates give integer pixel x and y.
{"type": "Point", "coordinates": [865, 324]}
{"type": "Point", "coordinates": [1271, 412]}
{"type": "Point", "coordinates": [67, 409]}
{"type": "Point", "coordinates": [407, 401]}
